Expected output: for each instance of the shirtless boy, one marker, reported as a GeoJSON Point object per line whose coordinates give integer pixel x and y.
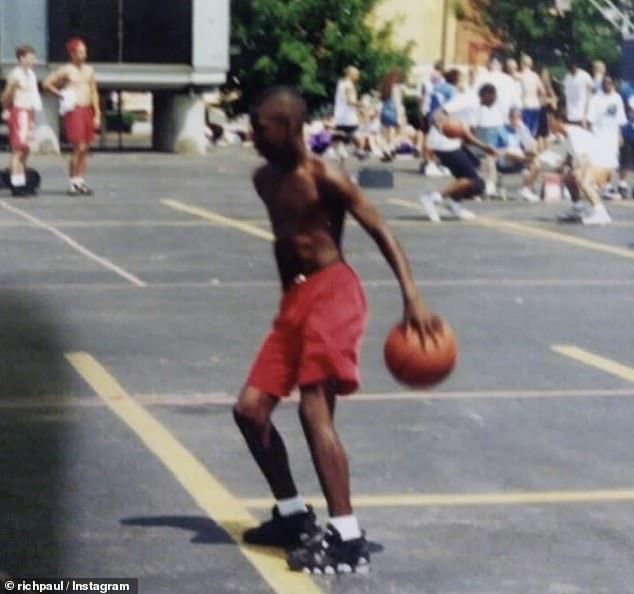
{"type": "Point", "coordinates": [75, 85]}
{"type": "Point", "coordinates": [315, 337]}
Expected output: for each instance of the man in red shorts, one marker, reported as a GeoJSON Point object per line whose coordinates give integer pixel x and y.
{"type": "Point", "coordinates": [20, 100]}
{"type": "Point", "coordinates": [75, 85]}
{"type": "Point", "coordinates": [314, 341]}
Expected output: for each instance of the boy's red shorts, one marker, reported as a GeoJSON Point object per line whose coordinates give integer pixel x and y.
{"type": "Point", "coordinates": [21, 123]}
{"type": "Point", "coordinates": [315, 336]}
{"type": "Point", "coordinates": [79, 125]}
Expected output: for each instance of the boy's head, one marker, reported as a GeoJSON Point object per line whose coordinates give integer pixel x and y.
{"type": "Point", "coordinates": [277, 119]}
{"type": "Point", "coordinates": [76, 49]}
{"type": "Point", "coordinates": [25, 55]}
{"type": "Point", "coordinates": [515, 118]}
{"type": "Point", "coordinates": [607, 85]}
{"type": "Point", "coordinates": [488, 94]}
{"type": "Point", "coordinates": [352, 73]}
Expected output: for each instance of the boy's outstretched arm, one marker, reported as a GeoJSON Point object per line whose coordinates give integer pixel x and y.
{"type": "Point", "coordinates": [337, 185]}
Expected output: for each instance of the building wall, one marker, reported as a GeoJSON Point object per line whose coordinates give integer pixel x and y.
{"type": "Point", "coordinates": [422, 21]}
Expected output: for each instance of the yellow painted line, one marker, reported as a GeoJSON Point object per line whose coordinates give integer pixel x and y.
{"type": "Point", "coordinates": [529, 230]}
{"type": "Point", "coordinates": [209, 494]}
{"type": "Point", "coordinates": [602, 363]}
{"type": "Point", "coordinates": [467, 499]}
{"type": "Point", "coordinates": [218, 219]}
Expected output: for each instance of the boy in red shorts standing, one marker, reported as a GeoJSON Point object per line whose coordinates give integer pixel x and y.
{"type": "Point", "coordinates": [20, 100]}
{"type": "Point", "coordinates": [315, 337]}
{"type": "Point", "coordinates": [75, 85]}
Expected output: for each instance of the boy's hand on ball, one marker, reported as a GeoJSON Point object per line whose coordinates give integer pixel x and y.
{"type": "Point", "coordinates": [422, 319]}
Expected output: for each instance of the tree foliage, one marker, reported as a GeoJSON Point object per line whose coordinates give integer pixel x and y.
{"type": "Point", "coordinates": [308, 43]}
{"type": "Point", "coordinates": [550, 37]}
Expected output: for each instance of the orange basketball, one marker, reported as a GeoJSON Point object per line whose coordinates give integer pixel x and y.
{"type": "Point", "coordinates": [453, 129]}
{"type": "Point", "coordinates": [414, 365]}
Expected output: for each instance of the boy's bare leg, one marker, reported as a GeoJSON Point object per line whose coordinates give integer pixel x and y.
{"type": "Point", "coordinates": [317, 408]}
{"type": "Point", "coordinates": [252, 414]}
{"type": "Point", "coordinates": [457, 188]}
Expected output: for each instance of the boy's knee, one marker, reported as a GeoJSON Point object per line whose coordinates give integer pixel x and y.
{"type": "Point", "coordinates": [477, 188]}
{"type": "Point", "coordinates": [248, 413]}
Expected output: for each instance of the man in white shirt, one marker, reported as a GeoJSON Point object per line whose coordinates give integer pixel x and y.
{"type": "Point", "coordinates": [577, 92]}
{"type": "Point", "coordinates": [598, 74]}
{"type": "Point", "coordinates": [345, 114]}
{"type": "Point", "coordinates": [20, 100]}
{"type": "Point", "coordinates": [583, 170]}
{"type": "Point", "coordinates": [461, 162]}
{"type": "Point", "coordinates": [517, 149]}
{"type": "Point", "coordinates": [514, 84]}
{"type": "Point", "coordinates": [489, 122]}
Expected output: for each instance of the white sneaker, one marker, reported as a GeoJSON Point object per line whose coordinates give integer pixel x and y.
{"type": "Point", "coordinates": [342, 153]}
{"type": "Point", "coordinates": [573, 213]}
{"type": "Point", "coordinates": [427, 201]}
{"type": "Point", "coordinates": [623, 190]}
{"type": "Point", "coordinates": [433, 170]}
{"type": "Point", "coordinates": [597, 216]}
{"type": "Point", "coordinates": [458, 211]}
{"type": "Point", "coordinates": [528, 195]}
{"type": "Point", "coordinates": [490, 190]}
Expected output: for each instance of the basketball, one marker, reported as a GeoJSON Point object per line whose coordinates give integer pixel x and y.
{"type": "Point", "coordinates": [414, 365]}
{"type": "Point", "coordinates": [453, 129]}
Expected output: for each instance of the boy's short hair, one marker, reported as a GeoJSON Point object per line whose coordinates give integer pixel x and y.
{"type": "Point", "coordinates": [487, 89]}
{"type": "Point", "coordinates": [23, 50]}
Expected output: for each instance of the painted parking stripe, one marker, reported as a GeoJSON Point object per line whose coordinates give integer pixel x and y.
{"type": "Point", "coordinates": [209, 494]}
{"type": "Point", "coordinates": [396, 500]}
{"type": "Point", "coordinates": [530, 231]}
{"type": "Point", "coordinates": [84, 251]}
{"type": "Point", "coordinates": [593, 360]}
{"type": "Point", "coordinates": [219, 219]}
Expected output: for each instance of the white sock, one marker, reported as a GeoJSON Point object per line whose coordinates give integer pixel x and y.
{"type": "Point", "coordinates": [76, 181]}
{"type": "Point", "coordinates": [290, 506]}
{"type": "Point", "coordinates": [18, 179]}
{"type": "Point", "coordinates": [347, 526]}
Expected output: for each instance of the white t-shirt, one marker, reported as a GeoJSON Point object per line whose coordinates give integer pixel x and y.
{"type": "Point", "coordinates": [464, 106]}
{"type": "Point", "coordinates": [577, 88]}
{"type": "Point", "coordinates": [606, 111]}
{"type": "Point", "coordinates": [607, 114]}
{"type": "Point", "coordinates": [493, 116]}
{"type": "Point", "coordinates": [437, 141]}
{"type": "Point", "coordinates": [587, 147]}
{"type": "Point", "coordinates": [26, 95]}
{"type": "Point", "coordinates": [531, 86]}
{"type": "Point", "coordinates": [345, 114]}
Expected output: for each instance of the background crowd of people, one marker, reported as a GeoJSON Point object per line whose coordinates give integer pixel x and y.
{"type": "Point", "coordinates": [508, 106]}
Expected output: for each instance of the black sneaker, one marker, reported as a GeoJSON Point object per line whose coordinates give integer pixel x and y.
{"type": "Point", "coordinates": [84, 190]}
{"type": "Point", "coordinates": [329, 554]}
{"type": "Point", "coordinates": [20, 192]}
{"type": "Point", "coordinates": [284, 531]}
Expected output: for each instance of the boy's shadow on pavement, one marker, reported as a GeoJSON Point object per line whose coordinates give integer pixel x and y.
{"type": "Point", "coordinates": [205, 530]}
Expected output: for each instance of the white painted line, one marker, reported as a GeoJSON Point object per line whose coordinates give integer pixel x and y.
{"type": "Point", "coordinates": [75, 245]}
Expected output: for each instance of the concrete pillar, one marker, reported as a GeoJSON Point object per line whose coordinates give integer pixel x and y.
{"type": "Point", "coordinates": [178, 123]}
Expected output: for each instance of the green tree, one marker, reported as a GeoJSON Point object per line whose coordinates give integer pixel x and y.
{"type": "Point", "coordinates": [537, 28]}
{"type": "Point", "coordinates": [308, 43]}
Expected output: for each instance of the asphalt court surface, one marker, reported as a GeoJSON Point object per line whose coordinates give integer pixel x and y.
{"type": "Point", "coordinates": [129, 320]}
